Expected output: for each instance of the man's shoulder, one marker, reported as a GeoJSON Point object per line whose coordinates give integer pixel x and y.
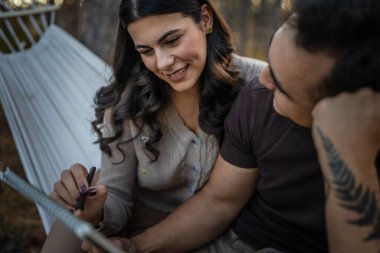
{"type": "Point", "coordinates": [253, 100]}
{"type": "Point", "coordinates": [254, 106]}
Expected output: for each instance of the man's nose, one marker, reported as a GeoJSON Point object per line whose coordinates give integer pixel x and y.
{"type": "Point", "coordinates": [265, 79]}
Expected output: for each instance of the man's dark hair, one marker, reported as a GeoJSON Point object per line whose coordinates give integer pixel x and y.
{"type": "Point", "coordinates": [357, 68]}
{"type": "Point", "coordinates": [348, 30]}
{"type": "Point", "coordinates": [336, 25]}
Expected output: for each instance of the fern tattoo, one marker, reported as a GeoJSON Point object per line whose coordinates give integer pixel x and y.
{"type": "Point", "coordinates": [352, 195]}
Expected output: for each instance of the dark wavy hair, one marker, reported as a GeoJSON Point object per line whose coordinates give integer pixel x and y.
{"type": "Point", "coordinates": [349, 31]}
{"type": "Point", "coordinates": [137, 94]}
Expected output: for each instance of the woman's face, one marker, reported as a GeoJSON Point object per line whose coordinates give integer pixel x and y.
{"type": "Point", "coordinates": [173, 47]}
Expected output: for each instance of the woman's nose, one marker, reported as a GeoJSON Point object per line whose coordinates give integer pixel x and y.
{"type": "Point", "coordinates": [164, 60]}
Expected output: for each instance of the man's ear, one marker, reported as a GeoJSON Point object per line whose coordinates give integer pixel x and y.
{"type": "Point", "coordinates": [207, 18]}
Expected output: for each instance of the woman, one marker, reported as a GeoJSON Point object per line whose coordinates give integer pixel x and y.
{"type": "Point", "coordinates": [160, 122]}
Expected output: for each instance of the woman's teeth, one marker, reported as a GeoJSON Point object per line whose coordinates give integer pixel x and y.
{"type": "Point", "coordinates": [177, 73]}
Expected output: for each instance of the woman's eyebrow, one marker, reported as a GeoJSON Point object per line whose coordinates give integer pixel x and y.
{"type": "Point", "coordinates": [167, 34]}
{"type": "Point", "coordinates": [161, 39]}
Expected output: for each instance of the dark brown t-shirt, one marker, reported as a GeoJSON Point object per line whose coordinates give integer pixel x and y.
{"type": "Point", "coordinates": [286, 211]}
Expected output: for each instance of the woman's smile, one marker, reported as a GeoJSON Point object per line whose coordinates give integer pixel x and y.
{"type": "Point", "coordinates": [178, 75]}
{"type": "Point", "coordinates": [173, 47]}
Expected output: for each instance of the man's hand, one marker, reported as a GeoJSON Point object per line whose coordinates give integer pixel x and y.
{"type": "Point", "coordinates": [205, 215]}
{"type": "Point", "coordinates": [352, 122]}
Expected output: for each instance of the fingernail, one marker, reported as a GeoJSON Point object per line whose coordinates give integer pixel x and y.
{"type": "Point", "coordinates": [83, 189]}
{"type": "Point", "coordinates": [92, 192]}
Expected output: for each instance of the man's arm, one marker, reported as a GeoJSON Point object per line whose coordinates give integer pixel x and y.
{"type": "Point", "coordinates": [204, 216]}
{"type": "Point", "coordinates": [346, 131]}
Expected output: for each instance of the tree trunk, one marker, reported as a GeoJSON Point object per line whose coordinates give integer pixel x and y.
{"type": "Point", "coordinates": [100, 26]}
{"type": "Point", "coordinates": [94, 23]}
{"type": "Point", "coordinates": [245, 11]}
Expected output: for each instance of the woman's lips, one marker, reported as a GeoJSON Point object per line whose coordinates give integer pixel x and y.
{"type": "Point", "coordinates": [178, 75]}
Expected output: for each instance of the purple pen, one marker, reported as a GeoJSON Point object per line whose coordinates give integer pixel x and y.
{"type": "Point", "coordinates": [82, 229]}
{"type": "Point", "coordinates": [83, 195]}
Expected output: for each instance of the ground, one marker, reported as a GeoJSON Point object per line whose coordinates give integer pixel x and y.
{"type": "Point", "coordinates": [21, 229]}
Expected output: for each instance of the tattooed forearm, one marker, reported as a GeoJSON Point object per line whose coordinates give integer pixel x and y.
{"type": "Point", "coordinates": [353, 196]}
{"type": "Point", "coordinates": [327, 189]}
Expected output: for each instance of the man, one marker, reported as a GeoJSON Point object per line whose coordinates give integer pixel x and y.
{"type": "Point", "coordinates": [267, 182]}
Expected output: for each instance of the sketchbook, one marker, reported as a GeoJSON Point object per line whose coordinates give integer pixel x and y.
{"type": "Point", "coordinates": [79, 227]}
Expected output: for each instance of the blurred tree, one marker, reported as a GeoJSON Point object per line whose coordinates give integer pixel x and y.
{"type": "Point", "coordinates": [266, 17]}
{"type": "Point", "coordinates": [100, 26]}
{"type": "Point", "coordinates": [245, 7]}
{"type": "Point", "coordinates": [93, 22]}
{"type": "Point", "coordinates": [252, 22]}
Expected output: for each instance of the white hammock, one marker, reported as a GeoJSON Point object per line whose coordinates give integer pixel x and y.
{"type": "Point", "coordinates": [47, 94]}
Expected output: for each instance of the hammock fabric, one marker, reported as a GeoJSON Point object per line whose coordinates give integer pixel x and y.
{"type": "Point", "coordinates": [47, 94]}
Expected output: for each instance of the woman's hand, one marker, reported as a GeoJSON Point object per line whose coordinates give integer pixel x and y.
{"type": "Point", "coordinates": [72, 184]}
{"type": "Point", "coordinates": [123, 243]}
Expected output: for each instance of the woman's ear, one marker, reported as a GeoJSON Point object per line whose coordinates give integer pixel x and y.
{"type": "Point", "coordinates": [206, 19]}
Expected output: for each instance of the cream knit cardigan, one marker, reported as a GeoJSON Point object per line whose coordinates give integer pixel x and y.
{"type": "Point", "coordinates": [183, 167]}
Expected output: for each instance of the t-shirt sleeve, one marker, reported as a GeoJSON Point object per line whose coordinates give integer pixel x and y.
{"type": "Point", "coordinates": [237, 147]}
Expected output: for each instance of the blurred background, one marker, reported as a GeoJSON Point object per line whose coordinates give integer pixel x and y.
{"type": "Point", "coordinates": [94, 23]}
